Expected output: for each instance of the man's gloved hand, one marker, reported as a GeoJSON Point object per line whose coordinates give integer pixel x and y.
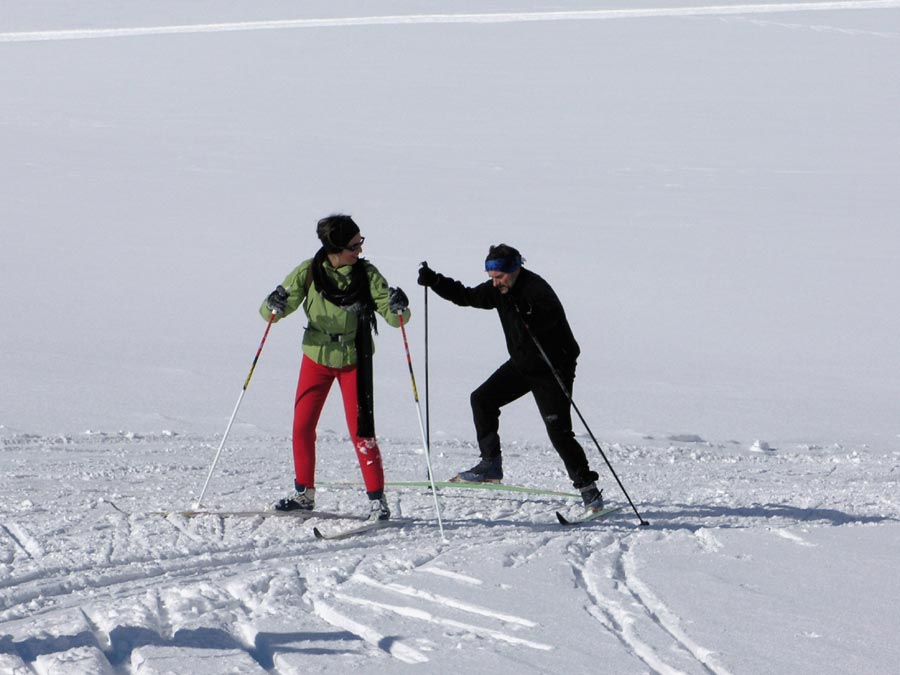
{"type": "Point", "coordinates": [427, 276]}
{"type": "Point", "coordinates": [277, 300]}
{"type": "Point", "coordinates": [397, 300]}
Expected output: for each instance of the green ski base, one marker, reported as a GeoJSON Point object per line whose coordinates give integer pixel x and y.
{"type": "Point", "coordinates": [444, 485]}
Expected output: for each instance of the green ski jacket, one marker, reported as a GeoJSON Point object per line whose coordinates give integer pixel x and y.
{"type": "Point", "coordinates": [329, 338]}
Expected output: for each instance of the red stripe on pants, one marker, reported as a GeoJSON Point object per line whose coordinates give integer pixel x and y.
{"type": "Point", "coordinates": [312, 389]}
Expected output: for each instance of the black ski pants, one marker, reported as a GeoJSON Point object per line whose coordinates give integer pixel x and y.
{"type": "Point", "coordinates": [506, 385]}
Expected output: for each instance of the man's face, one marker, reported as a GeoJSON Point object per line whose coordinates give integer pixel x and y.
{"type": "Point", "coordinates": [503, 281]}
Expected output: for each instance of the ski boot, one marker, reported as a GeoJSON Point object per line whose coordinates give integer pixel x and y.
{"type": "Point", "coordinates": [488, 470]}
{"type": "Point", "coordinates": [592, 498]}
{"type": "Point", "coordinates": [379, 509]}
{"type": "Point", "coordinates": [303, 499]}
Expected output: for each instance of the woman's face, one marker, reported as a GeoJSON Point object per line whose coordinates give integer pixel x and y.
{"type": "Point", "coordinates": [349, 255]}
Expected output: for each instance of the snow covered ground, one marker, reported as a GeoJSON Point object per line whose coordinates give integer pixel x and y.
{"type": "Point", "coordinates": [710, 187]}
{"type": "Point", "coordinates": [779, 562]}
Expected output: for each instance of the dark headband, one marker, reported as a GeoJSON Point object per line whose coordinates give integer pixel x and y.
{"type": "Point", "coordinates": [507, 265]}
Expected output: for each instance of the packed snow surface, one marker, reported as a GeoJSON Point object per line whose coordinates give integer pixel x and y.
{"type": "Point", "coordinates": [710, 187]}
{"type": "Point", "coordinates": [780, 562]}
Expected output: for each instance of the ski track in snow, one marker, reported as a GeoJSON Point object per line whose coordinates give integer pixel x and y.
{"type": "Point", "coordinates": [628, 608]}
{"type": "Point", "coordinates": [396, 649]}
{"type": "Point", "coordinates": [615, 617]}
{"type": "Point", "coordinates": [431, 618]}
{"type": "Point", "coordinates": [92, 588]}
{"type": "Point", "coordinates": [444, 601]}
{"type": "Point", "coordinates": [663, 615]}
{"type": "Point", "coordinates": [28, 544]}
{"type": "Point", "coordinates": [791, 536]}
{"type": "Point", "coordinates": [437, 571]}
{"type": "Point", "coordinates": [479, 18]}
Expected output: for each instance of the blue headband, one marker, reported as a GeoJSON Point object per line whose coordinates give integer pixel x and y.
{"type": "Point", "coordinates": [507, 265]}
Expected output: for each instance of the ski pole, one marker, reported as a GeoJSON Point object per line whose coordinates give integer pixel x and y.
{"type": "Point", "coordinates": [427, 394]}
{"type": "Point", "coordinates": [424, 263]}
{"type": "Point", "coordinates": [234, 413]}
{"type": "Point", "coordinates": [412, 377]}
{"type": "Point", "coordinates": [562, 385]}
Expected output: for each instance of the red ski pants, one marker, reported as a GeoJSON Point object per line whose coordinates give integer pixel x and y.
{"type": "Point", "coordinates": [312, 389]}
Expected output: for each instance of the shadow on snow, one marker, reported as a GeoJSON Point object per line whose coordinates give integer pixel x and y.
{"type": "Point", "coordinates": [695, 517]}
{"type": "Point", "coordinates": [125, 639]}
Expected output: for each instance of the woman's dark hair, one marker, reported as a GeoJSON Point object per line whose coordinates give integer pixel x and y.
{"type": "Point", "coordinates": [336, 231]}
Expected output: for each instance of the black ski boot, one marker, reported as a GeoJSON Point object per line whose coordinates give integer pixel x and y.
{"type": "Point", "coordinates": [488, 470]}
{"type": "Point", "coordinates": [592, 498]}
{"type": "Point", "coordinates": [303, 499]}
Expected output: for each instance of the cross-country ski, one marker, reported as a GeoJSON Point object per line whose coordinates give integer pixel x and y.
{"type": "Point", "coordinates": [258, 513]}
{"type": "Point", "coordinates": [368, 526]}
{"type": "Point", "coordinates": [589, 517]}
{"type": "Point", "coordinates": [464, 486]}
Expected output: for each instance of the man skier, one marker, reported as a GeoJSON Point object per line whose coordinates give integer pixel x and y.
{"type": "Point", "coordinates": [531, 315]}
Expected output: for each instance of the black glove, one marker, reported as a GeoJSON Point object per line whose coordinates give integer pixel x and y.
{"type": "Point", "coordinates": [397, 300]}
{"type": "Point", "coordinates": [277, 300]}
{"type": "Point", "coordinates": [427, 276]}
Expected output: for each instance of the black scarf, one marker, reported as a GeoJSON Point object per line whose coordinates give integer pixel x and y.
{"type": "Point", "coordinates": [356, 298]}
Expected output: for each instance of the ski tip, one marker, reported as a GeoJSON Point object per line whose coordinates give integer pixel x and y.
{"type": "Point", "coordinates": [112, 504]}
{"type": "Point", "coordinates": [318, 534]}
{"type": "Point", "coordinates": [587, 517]}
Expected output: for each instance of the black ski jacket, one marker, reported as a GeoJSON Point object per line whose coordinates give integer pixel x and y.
{"type": "Point", "coordinates": [532, 302]}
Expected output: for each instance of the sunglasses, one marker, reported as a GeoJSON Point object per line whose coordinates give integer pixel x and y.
{"type": "Point", "coordinates": [357, 245]}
